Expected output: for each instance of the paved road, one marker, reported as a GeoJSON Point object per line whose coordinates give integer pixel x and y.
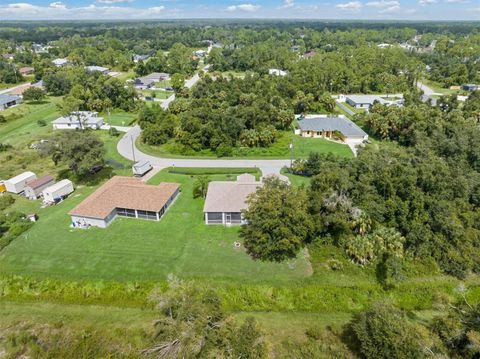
{"type": "Point", "coordinates": [126, 146]}
{"type": "Point", "coordinates": [7, 90]}
{"type": "Point", "coordinates": [427, 90]}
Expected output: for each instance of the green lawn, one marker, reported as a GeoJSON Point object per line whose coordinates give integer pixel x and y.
{"type": "Point", "coordinates": [279, 150]}
{"type": "Point", "coordinates": [437, 87]}
{"type": "Point", "coordinates": [160, 94]}
{"type": "Point", "coordinates": [139, 250]}
{"type": "Point", "coordinates": [119, 118]}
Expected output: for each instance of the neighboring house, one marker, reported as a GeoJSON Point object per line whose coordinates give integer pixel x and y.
{"type": "Point", "coordinates": [60, 62]}
{"type": "Point", "coordinates": [323, 126]}
{"type": "Point", "coordinates": [7, 101]}
{"type": "Point", "coordinates": [57, 191]}
{"type": "Point", "coordinates": [277, 72]}
{"type": "Point", "coordinates": [138, 58]}
{"type": "Point", "coordinates": [200, 53]}
{"type": "Point", "coordinates": [40, 49]}
{"type": "Point", "coordinates": [148, 81]}
{"type": "Point", "coordinates": [295, 48]}
{"type": "Point", "coordinates": [78, 120]}
{"type": "Point", "coordinates": [309, 54]}
{"type": "Point", "coordinates": [25, 71]}
{"type": "Point", "coordinates": [17, 184]}
{"type": "Point", "coordinates": [470, 87]}
{"type": "Point", "coordinates": [384, 45]}
{"type": "Point", "coordinates": [226, 199]}
{"type": "Point", "coordinates": [101, 69]}
{"type": "Point", "coordinates": [8, 56]}
{"type": "Point", "coordinates": [367, 101]}
{"type": "Point", "coordinates": [34, 188]}
{"type": "Point", "coordinates": [124, 197]}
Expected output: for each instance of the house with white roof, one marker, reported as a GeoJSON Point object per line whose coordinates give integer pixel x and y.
{"type": "Point", "coordinates": [226, 200]}
{"type": "Point", "coordinates": [78, 120]}
{"type": "Point", "coordinates": [277, 72]}
{"type": "Point", "coordinates": [60, 62]}
{"type": "Point", "coordinates": [101, 69]}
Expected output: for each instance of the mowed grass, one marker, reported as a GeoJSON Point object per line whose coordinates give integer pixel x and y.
{"type": "Point", "coordinates": [132, 249]}
{"type": "Point", "coordinates": [119, 118]}
{"type": "Point", "coordinates": [302, 147]}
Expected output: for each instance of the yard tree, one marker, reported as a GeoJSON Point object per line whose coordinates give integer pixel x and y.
{"type": "Point", "coordinates": [80, 150]}
{"type": "Point", "coordinates": [278, 222]}
{"type": "Point", "coordinates": [384, 331]}
{"type": "Point", "coordinates": [178, 82]}
{"type": "Point", "coordinates": [200, 186]}
{"type": "Point", "coordinates": [192, 324]}
{"type": "Point", "coordinates": [33, 94]}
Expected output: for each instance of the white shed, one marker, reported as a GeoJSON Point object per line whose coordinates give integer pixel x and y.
{"type": "Point", "coordinates": [141, 167]}
{"type": "Point", "coordinates": [58, 190]}
{"type": "Point", "coordinates": [17, 184]}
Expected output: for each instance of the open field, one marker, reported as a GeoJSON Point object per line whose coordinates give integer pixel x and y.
{"type": "Point", "coordinates": [437, 87]}
{"type": "Point", "coordinates": [138, 250]}
{"type": "Point", "coordinates": [119, 118]}
{"type": "Point", "coordinates": [302, 147]}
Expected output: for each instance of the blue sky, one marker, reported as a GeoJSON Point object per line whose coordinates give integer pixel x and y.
{"type": "Point", "coordinates": [300, 9]}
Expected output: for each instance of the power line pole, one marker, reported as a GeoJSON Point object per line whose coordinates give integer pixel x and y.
{"type": "Point", "coordinates": [133, 149]}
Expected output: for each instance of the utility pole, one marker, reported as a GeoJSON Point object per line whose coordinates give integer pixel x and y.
{"type": "Point", "coordinates": [133, 149]}
{"type": "Point", "coordinates": [291, 155]}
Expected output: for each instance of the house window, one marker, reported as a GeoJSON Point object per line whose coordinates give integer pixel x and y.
{"type": "Point", "coordinates": [236, 217]}
{"type": "Point", "coordinates": [318, 133]}
{"type": "Point", "coordinates": [308, 132]}
{"type": "Point", "coordinates": [215, 217]}
{"type": "Point", "coordinates": [125, 212]}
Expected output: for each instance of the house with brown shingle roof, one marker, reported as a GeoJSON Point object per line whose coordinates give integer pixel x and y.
{"type": "Point", "coordinates": [226, 200]}
{"type": "Point", "coordinates": [124, 197]}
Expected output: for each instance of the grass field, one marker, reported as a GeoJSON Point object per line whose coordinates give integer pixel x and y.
{"type": "Point", "coordinates": [437, 87]}
{"type": "Point", "coordinates": [138, 250]}
{"type": "Point", "coordinates": [279, 150]}
{"type": "Point", "coordinates": [119, 118]}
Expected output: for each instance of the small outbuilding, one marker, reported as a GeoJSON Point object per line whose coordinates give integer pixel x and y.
{"type": "Point", "coordinates": [17, 184]}
{"type": "Point", "coordinates": [33, 189]}
{"type": "Point", "coordinates": [140, 168]}
{"type": "Point", "coordinates": [57, 191]}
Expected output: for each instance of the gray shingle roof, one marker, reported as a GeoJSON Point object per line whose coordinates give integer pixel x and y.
{"type": "Point", "coordinates": [341, 124]}
{"type": "Point", "coordinates": [4, 99]}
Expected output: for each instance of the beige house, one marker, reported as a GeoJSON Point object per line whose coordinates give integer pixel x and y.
{"type": "Point", "coordinates": [226, 199]}
{"type": "Point", "coordinates": [323, 126]}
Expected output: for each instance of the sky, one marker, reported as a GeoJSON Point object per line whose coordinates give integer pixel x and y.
{"type": "Point", "coordinates": [260, 9]}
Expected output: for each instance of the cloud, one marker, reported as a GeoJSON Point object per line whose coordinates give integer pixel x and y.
{"type": "Point", "coordinates": [58, 5]}
{"type": "Point", "coordinates": [243, 7]}
{"type": "Point", "coordinates": [457, 1]}
{"type": "Point", "coordinates": [427, 2]}
{"type": "Point", "coordinates": [287, 4]}
{"type": "Point", "coordinates": [382, 4]}
{"type": "Point", "coordinates": [59, 11]}
{"type": "Point", "coordinates": [390, 9]}
{"type": "Point", "coordinates": [113, 1]}
{"type": "Point", "coordinates": [350, 6]}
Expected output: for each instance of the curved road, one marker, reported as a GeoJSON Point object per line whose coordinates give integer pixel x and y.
{"type": "Point", "coordinates": [127, 148]}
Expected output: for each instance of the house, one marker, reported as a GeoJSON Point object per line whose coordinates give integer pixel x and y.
{"type": "Point", "coordinates": [40, 49]}
{"type": "Point", "coordinates": [470, 87]}
{"type": "Point", "coordinates": [100, 69]}
{"type": "Point", "coordinates": [384, 45]}
{"type": "Point", "coordinates": [34, 188]}
{"type": "Point", "coordinates": [17, 184]}
{"type": "Point", "coordinates": [60, 62]}
{"type": "Point", "coordinates": [140, 168]}
{"type": "Point", "coordinates": [57, 191]}
{"type": "Point", "coordinates": [309, 54]}
{"type": "Point", "coordinates": [323, 126]}
{"type": "Point", "coordinates": [7, 101]}
{"type": "Point", "coordinates": [138, 58]}
{"type": "Point", "coordinates": [25, 71]}
{"type": "Point", "coordinates": [148, 81]}
{"type": "Point", "coordinates": [295, 48]}
{"type": "Point", "coordinates": [367, 101]}
{"type": "Point", "coordinates": [226, 199]}
{"type": "Point", "coordinates": [200, 53]}
{"type": "Point", "coordinates": [124, 197]}
{"type": "Point", "coordinates": [277, 72]}
{"type": "Point", "coordinates": [78, 120]}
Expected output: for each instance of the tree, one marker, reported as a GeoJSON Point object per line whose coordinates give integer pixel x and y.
{"type": "Point", "coordinates": [80, 150]}
{"type": "Point", "coordinates": [278, 223]}
{"type": "Point", "coordinates": [383, 331]}
{"type": "Point", "coordinates": [193, 325]}
{"type": "Point", "coordinates": [178, 82]}
{"type": "Point", "coordinates": [200, 186]}
{"type": "Point", "coordinates": [33, 94]}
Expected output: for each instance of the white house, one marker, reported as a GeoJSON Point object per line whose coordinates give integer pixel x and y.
{"type": "Point", "coordinates": [200, 53]}
{"type": "Point", "coordinates": [226, 199]}
{"type": "Point", "coordinates": [323, 126]}
{"type": "Point", "coordinates": [7, 101]}
{"type": "Point", "coordinates": [277, 72]}
{"type": "Point", "coordinates": [78, 120]}
{"type": "Point", "coordinates": [57, 190]}
{"type": "Point", "coordinates": [17, 184]}
{"type": "Point", "coordinates": [33, 189]}
{"type": "Point", "coordinates": [148, 81]}
{"type": "Point", "coordinates": [60, 62]}
{"type": "Point", "coordinates": [367, 101]}
{"type": "Point", "coordinates": [100, 69]}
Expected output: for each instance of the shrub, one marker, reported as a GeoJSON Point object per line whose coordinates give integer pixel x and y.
{"type": "Point", "coordinates": [41, 123]}
{"type": "Point", "coordinates": [6, 201]}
